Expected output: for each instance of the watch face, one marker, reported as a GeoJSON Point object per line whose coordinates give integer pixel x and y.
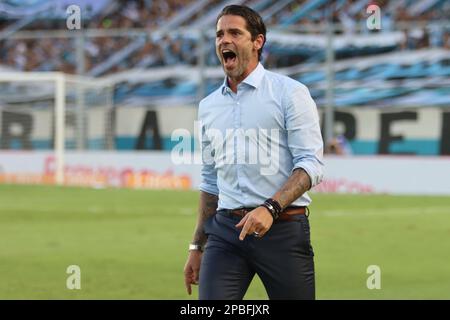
{"type": "Point", "coordinates": [195, 247]}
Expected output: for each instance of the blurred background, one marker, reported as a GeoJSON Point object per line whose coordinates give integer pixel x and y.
{"type": "Point", "coordinates": [98, 95]}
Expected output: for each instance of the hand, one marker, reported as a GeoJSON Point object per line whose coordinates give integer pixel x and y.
{"type": "Point", "coordinates": [258, 220]}
{"type": "Point", "coordinates": [192, 269]}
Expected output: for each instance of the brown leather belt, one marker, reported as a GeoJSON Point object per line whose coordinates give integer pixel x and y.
{"type": "Point", "coordinates": [286, 215]}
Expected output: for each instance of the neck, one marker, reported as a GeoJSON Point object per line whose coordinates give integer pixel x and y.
{"type": "Point", "coordinates": [233, 82]}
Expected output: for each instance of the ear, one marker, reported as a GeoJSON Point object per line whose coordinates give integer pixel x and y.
{"type": "Point", "coordinates": [258, 42]}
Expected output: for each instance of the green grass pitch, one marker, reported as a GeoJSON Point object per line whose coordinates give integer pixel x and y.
{"type": "Point", "coordinates": [132, 244]}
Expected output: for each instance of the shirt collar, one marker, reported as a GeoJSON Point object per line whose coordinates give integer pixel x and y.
{"type": "Point", "coordinates": [253, 79]}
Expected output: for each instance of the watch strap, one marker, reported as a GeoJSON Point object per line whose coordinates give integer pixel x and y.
{"type": "Point", "coordinates": [274, 207]}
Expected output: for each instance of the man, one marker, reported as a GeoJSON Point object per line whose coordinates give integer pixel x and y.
{"type": "Point", "coordinates": [253, 214]}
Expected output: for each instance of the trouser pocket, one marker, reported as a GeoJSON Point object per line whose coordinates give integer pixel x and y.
{"type": "Point", "coordinates": [306, 234]}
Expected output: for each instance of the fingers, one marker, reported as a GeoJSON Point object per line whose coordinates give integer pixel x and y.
{"type": "Point", "coordinates": [195, 276]}
{"type": "Point", "coordinates": [191, 276]}
{"type": "Point", "coordinates": [247, 229]}
{"type": "Point", "coordinates": [187, 283]}
{"type": "Point", "coordinates": [257, 220]}
{"type": "Point", "coordinates": [190, 280]}
{"type": "Point", "coordinates": [262, 233]}
{"type": "Point", "coordinates": [242, 222]}
{"type": "Point", "coordinates": [248, 226]}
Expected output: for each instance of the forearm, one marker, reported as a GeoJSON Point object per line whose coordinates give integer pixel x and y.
{"type": "Point", "coordinates": [207, 208]}
{"type": "Point", "coordinates": [297, 184]}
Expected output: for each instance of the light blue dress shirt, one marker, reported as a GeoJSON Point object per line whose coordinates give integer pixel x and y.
{"type": "Point", "coordinates": [252, 140]}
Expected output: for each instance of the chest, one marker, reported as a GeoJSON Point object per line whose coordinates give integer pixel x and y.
{"type": "Point", "coordinates": [247, 110]}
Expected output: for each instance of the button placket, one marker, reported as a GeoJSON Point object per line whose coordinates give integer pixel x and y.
{"type": "Point", "coordinates": [240, 143]}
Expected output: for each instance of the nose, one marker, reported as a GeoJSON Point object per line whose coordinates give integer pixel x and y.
{"type": "Point", "coordinates": [226, 39]}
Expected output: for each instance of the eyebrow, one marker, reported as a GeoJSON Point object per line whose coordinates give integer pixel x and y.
{"type": "Point", "coordinates": [220, 31]}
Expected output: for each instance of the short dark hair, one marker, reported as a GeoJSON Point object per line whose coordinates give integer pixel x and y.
{"type": "Point", "coordinates": [254, 22]}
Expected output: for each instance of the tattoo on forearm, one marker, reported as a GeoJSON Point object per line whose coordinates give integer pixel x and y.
{"type": "Point", "coordinates": [297, 184]}
{"type": "Point", "coordinates": [207, 208]}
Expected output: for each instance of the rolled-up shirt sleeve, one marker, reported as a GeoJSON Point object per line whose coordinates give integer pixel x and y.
{"type": "Point", "coordinates": [303, 133]}
{"type": "Point", "coordinates": [208, 172]}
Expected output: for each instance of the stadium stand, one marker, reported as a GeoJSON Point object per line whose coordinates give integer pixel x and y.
{"type": "Point", "coordinates": [152, 48]}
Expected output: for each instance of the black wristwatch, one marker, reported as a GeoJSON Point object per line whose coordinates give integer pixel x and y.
{"type": "Point", "coordinates": [274, 208]}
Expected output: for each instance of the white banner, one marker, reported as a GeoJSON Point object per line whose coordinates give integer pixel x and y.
{"type": "Point", "coordinates": [149, 170]}
{"type": "Point", "coordinates": [156, 170]}
{"type": "Point", "coordinates": [387, 175]}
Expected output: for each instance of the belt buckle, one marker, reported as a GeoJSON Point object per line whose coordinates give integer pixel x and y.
{"type": "Point", "coordinates": [243, 212]}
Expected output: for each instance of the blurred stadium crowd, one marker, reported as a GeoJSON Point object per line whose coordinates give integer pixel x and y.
{"type": "Point", "coordinates": [58, 54]}
{"type": "Point", "coordinates": [408, 28]}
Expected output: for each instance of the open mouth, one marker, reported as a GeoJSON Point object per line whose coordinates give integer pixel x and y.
{"type": "Point", "coordinates": [228, 56]}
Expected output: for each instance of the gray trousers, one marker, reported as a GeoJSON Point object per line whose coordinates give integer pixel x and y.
{"type": "Point", "coordinates": [283, 259]}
